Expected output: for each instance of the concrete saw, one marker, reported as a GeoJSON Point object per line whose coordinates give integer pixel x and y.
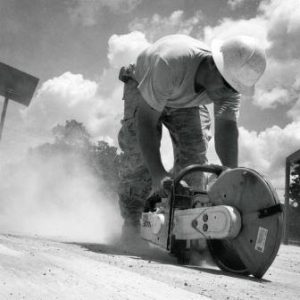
{"type": "Point", "coordinates": [238, 215]}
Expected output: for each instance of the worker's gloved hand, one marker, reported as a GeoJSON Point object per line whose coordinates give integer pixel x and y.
{"type": "Point", "coordinates": [163, 187]}
{"type": "Point", "coordinates": [167, 184]}
{"type": "Point", "coordinates": [126, 73]}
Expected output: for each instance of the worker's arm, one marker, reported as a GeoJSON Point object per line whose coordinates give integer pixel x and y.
{"type": "Point", "coordinates": [149, 140]}
{"type": "Point", "coordinates": [226, 141]}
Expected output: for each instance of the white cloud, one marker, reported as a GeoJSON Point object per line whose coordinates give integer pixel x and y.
{"type": "Point", "coordinates": [65, 97]}
{"type": "Point", "coordinates": [279, 74]}
{"type": "Point", "coordinates": [73, 88]}
{"type": "Point", "coordinates": [294, 112]}
{"type": "Point", "coordinates": [124, 49]}
{"type": "Point", "coordinates": [283, 25]}
{"type": "Point", "coordinates": [59, 100]}
{"type": "Point", "coordinates": [272, 98]}
{"type": "Point", "coordinates": [255, 27]}
{"type": "Point", "coordinates": [87, 12]}
{"type": "Point", "coordinates": [266, 151]}
{"type": "Point", "coordinates": [159, 26]}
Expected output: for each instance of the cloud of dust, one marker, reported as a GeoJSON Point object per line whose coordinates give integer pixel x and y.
{"type": "Point", "coordinates": [58, 198]}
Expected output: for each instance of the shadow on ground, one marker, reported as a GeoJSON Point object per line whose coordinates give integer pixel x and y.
{"type": "Point", "coordinates": [152, 253]}
{"type": "Point", "coordinates": [144, 253]}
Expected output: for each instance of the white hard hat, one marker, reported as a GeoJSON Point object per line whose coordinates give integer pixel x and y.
{"type": "Point", "coordinates": [241, 61]}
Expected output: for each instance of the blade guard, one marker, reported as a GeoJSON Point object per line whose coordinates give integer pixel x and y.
{"type": "Point", "coordinates": [255, 199]}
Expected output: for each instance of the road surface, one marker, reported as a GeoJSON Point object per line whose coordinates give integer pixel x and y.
{"type": "Point", "coordinates": [39, 268]}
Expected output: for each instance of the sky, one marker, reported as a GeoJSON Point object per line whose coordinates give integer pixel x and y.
{"type": "Point", "coordinates": [76, 47]}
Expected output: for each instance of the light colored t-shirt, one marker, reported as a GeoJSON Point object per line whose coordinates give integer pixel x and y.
{"type": "Point", "coordinates": [166, 73]}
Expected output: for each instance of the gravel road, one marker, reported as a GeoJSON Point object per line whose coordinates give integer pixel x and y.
{"type": "Point", "coordinates": [38, 268]}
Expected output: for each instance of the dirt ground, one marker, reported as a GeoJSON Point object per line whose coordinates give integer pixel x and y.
{"type": "Point", "coordinates": [37, 268]}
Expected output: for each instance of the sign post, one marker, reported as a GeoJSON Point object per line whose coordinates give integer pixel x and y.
{"type": "Point", "coordinates": [17, 86]}
{"type": "Point", "coordinates": [3, 114]}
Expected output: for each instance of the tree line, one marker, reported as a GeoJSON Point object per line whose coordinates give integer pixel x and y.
{"type": "Point", "coordinates": [73, 140]}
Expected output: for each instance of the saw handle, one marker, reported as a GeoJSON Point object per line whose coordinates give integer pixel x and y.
{"type": "Point", "coordinates": [215, 169]}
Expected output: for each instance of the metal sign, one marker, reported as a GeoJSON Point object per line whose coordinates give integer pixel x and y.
{"type": "Point", "coordinates": [17, 86]}
{"type": "Point", "coordinates": [292, 158]}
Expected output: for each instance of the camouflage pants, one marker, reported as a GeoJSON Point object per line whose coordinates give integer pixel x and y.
{"type": "Point", "coordinates": [189, 131]}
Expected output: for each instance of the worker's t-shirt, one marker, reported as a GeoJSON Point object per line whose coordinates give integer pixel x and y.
{"type": "Point", "coordinates": [166, 73]}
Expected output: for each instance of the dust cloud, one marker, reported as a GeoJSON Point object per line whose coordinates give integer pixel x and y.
{"type": "Point", "coordinates": [59, 197]}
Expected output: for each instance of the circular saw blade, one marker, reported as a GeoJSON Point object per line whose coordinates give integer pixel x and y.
{"type": "Point", "coordinates": [256, 246]}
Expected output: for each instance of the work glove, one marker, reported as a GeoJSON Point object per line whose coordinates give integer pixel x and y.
{"type": "Point", "coordinates": [162, 187]}
{"type": "Point", "coordinates": [165, 186]}
{"type": "Point", "coordinates": [126, 73]}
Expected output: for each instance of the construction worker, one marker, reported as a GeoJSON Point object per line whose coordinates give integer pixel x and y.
{"type": "Point", "coordinates": [170, 84]}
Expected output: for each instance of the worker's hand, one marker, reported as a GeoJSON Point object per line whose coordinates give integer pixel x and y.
{"type": "Point", "coordinates": [162, 186]}
{"type": "Point", "coordinates": [126, 73]}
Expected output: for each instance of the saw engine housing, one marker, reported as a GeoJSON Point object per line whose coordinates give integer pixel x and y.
{"type": "Point", "coordinates": [239, 216]}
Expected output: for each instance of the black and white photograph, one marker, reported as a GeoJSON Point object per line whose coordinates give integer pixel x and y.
{"type": "Point", "coordinates": [149, 150]}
